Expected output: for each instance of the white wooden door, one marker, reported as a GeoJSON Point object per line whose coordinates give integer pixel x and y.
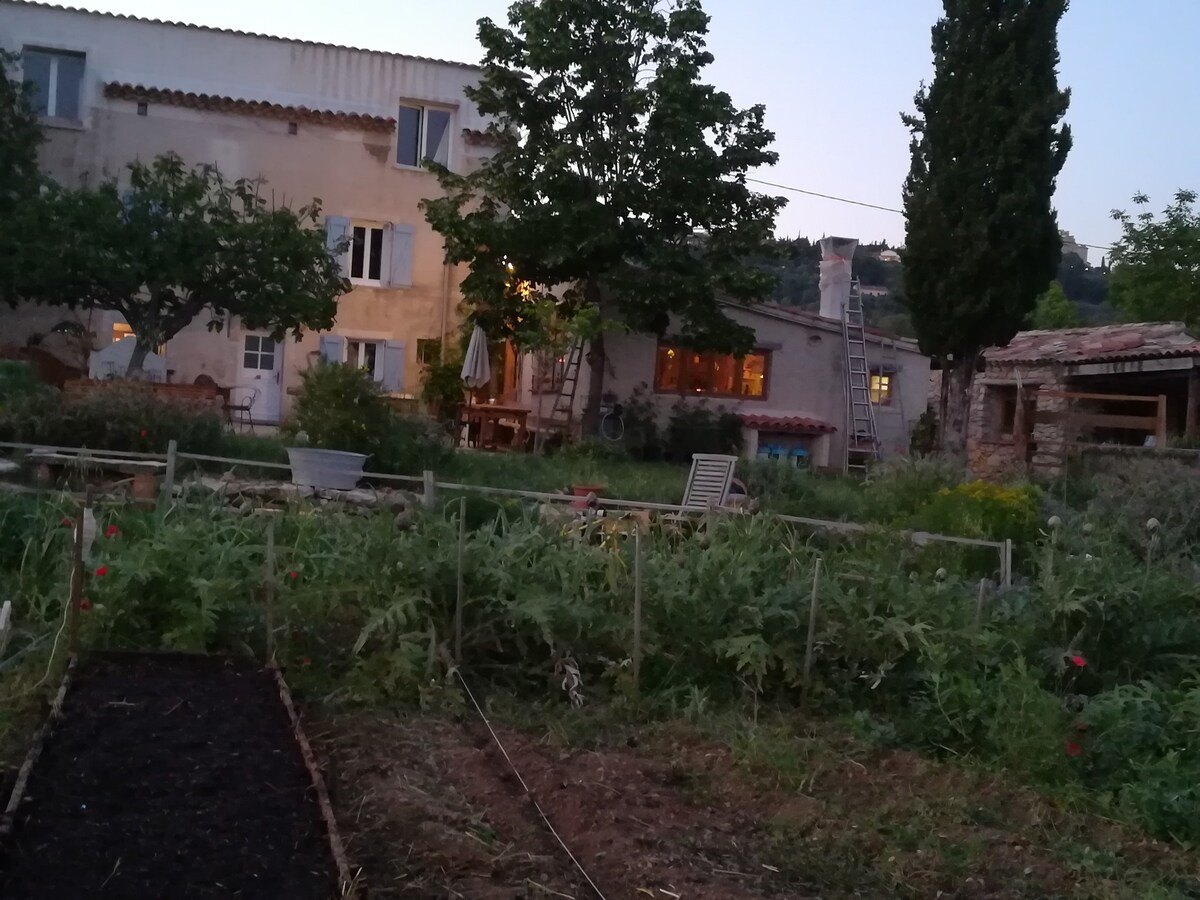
{"type": "Point", "coordinates": [261, 363]}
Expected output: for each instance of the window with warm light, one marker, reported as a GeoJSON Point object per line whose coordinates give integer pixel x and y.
{"type": "Point", "coordinates": [121, 331]}
{"type": "Point", "coordinates": [679, 370]}
{"type": "Point", "coordinates": [881, 388]}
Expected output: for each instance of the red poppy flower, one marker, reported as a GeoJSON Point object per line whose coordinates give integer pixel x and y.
{"type": "Point", "coordinates": [293, 575]}
{"type": "Point", "coordinates": [102, 571]}
{"type": "Point", "coordinates": [66, 522]}
{"type": "Point", "coordinates": [111, 531]}
{"type": "Point", "coordinates": [85, 604]}
{"type": "Point", "coordinates": [143, 432]}
{"type": "Point", "coordinates": [1072, 748]}
{"type": "Point", "coordinates": [306, 661]}
{"type": "Point", "coordinates": [1078, 661]}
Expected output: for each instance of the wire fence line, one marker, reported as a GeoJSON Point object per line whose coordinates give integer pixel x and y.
{"type": "Point", "coordinates": [430, 485]}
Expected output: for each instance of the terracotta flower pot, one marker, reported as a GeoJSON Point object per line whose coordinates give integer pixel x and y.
{"type": "Point", "coordinates": [582, 490]}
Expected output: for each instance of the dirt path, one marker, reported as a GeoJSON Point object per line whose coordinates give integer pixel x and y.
{"type": "Point", "coordinates": [169, 776]}
{"type": "Point", "coordinates": [432, 810]}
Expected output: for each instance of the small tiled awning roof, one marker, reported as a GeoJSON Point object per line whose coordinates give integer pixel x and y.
{"type": "Point", "coordinates": [217, 103]}
{"type": "Point", "coordinates": [1104, 343]}
{"type": "Point", "coordinates": [787, 424]}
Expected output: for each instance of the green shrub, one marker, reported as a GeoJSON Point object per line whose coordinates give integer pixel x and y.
{"type": "Point", "coordinates": [980, 509]}
{"type": "Point", "coordinates": [442, 389]}
{"type": "Point", "coordinates": [694, 428]}
{"type": "Point", "coordinates": [340, 407]}
{"type": "Point", "coordinates": [18, 385]}
{"type": "Point", "coordinates": [1127, 493]}
{"type": "Point", "coordinates": [119, 417]}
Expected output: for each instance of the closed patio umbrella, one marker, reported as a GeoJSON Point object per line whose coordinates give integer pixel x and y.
{"type": "Point", "coordinates": [477, 370]}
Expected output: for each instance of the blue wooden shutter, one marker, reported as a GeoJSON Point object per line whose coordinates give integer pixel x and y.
{"type": "Point", "coordinates": [333, 348]}
{"type": "Point", "coordinates": [337, 234]}
{"type": "Point", "coordinates": [399, 272]}
{"type": "Point", "coordinates": [393, 367]}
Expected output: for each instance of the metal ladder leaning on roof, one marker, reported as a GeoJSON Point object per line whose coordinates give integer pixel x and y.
{"type": "Point", "coordinates": [862, 437]}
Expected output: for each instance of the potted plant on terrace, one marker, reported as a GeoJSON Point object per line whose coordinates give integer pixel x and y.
{"type": "Point", "coordinates": [340, 418]}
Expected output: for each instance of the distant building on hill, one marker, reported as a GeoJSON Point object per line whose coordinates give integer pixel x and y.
{"type": "Point", "coordinates": [1070, 245]}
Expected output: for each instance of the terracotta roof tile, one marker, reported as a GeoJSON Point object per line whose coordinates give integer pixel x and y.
{"type": "Point", "coordinates": [217, 103]}
{"type": "Point", "coordinates": [253, 34]}
{"type": "Point", "coordinates": [786, 424]}
{"type": "Point", "coordinates": [1104, 343]}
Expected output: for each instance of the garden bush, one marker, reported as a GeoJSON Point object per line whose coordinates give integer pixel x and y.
{"type": "Point", "coordinates": [124, 418]}
{"type": "Point", "coordinates": [340, 407]}
{"type": "Point", "coordinates": [980, 509]}
{"type": "Point", "coordinates": [694, 428]}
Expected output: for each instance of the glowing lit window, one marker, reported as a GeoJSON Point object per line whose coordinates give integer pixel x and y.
{"type": "Point", "coordinates": [121, 331]}
{"type": "Point", "coordinates": [711, 374]}
{"type": "Point", "coordinates": [881, 388]}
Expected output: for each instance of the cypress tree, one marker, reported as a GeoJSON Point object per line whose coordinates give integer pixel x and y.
{"type": "Point", "coordinates": [987, 146]}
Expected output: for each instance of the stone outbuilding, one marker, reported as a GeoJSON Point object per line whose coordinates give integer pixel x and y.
{"type": "Point", "coordinates": [1049, 393]}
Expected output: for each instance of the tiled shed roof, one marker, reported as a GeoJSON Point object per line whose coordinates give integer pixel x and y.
{"type": "Point", "coordinates": [1104, 343]}
{"type": "Point", "coordinates": [218, 103]}
{"type": "Point", "coordinates": [786, 424]}
{"type": "Point", "coordinates": [234, 31]}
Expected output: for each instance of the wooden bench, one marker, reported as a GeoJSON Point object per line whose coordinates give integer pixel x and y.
{"type": "Point", "coordinates": [53, 463]}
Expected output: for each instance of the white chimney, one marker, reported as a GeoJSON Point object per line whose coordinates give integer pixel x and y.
{"type": "Point", "coordinates": [837, 255]}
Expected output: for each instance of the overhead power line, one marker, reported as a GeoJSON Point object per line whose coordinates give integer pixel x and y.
{"type": "Point", "coordinates": [891, 209]}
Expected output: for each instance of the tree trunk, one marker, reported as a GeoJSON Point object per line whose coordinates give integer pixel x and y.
{"type": "Point", "coordinates": [955, 403]}
{"type": "Point", "coordinates": [595, 397]}
{"type": "Point", "coordinates": [596, 368]}
{"type": "Point", "coordinates": [140, 350]}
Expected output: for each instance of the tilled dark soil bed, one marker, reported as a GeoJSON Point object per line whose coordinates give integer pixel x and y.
{"type": "Point", "coordinates": [169, 776]}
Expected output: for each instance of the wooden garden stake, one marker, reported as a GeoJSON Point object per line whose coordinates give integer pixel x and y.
{"type": "Point", "coordinates": [6, 621]}
{"type": "Point", "coordinates": [812, 628]}
{"type": "Point", "coordinates": [429, 488]}
{"type": "Point", "coordinates": [76, 599]}
{"type": "Point", "coordinates": [269, 591]}
{"type": "Point", "coordinates": [979, 603]}
{"type": "Point", "coordinates": [458, 606]}
{"type": "Point", "coordinates": [168, 485]}
{"type": "Point", "coordinates": [637, 611]}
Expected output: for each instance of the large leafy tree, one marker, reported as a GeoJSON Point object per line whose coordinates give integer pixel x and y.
{"type": "Point", "coordinates": [619, 173]}
{"type": "Point", "coordinates": [987, 147]}
{"type": "Point", "coordinates": [1054, 310]}
{"type": "Point", "coordinates": [20, 183]}
{"type": "Point", "coordinates": [1156, 263]}
{"type": "Point", "coordinates": [181, 243]}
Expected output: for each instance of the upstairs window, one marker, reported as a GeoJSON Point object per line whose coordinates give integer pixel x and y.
{"type": "Point", "coordinates": [684, 371]}
{"type": "Point", "coordinates": [366, 253]}
{"type": "Point", "coordinates": [57, 80]}
{"type": "Point", "coordinates": [422, 133]}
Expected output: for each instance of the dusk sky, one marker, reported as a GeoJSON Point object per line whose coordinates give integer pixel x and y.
{"type": "Point", "coordinates": [834, 78]}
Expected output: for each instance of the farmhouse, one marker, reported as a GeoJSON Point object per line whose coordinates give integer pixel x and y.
{"type": "Point", "coordinates": [349, 126]}
{"type": "Point", "coordinates": [1047, 393]}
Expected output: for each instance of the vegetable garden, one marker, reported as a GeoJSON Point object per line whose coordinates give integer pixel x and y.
{"type": "Point", "coordinates": [1080, 681]}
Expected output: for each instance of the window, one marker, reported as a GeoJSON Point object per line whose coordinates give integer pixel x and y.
{"type": "Point", "coordinates": [57, 78]}
{"type": "Point", "coordinates": [366, 253]}
{"type": "Point", "coordinates": [121, 331]}
{"type": "Point", "coordinates": [364, 354]}
{"type": "Point", "coordinates": [429, 351]}
{"type": "Point", "coordinates": [258, 353]}
{"type": "Point", "coordinates": [549, 374]}
{"type": "Point", "coordinates": [422, 133]}
{"type": "Point", "coordinates": [713, 374]}
{"type": "Point", "coordinates": [881, 388]}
